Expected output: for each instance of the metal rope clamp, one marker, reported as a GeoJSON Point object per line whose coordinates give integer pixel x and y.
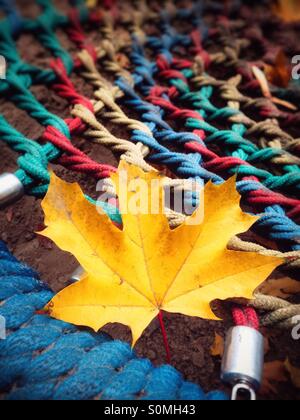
{"type": "Point", "coordinates": [11, 189]}
{"type": "Point", "coordinates": [243, 362]}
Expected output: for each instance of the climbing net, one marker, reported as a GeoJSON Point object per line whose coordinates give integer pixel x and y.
{"type": "Point", "coordinates": [186, 98]}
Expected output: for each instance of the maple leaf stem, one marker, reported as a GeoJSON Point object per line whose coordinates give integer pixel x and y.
{"type": "Point", "coordinates": [165, 337]}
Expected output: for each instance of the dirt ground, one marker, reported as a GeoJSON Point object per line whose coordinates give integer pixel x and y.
{"type": "Point", "coordinates": [190, 338]}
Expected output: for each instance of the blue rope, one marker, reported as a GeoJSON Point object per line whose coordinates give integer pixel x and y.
{"type": "Point", "coordinates": [9, 8]}
{"type": "Point", "coordinates": [276, 224]}
{"type": "Point", "coordinates": [46, 359]}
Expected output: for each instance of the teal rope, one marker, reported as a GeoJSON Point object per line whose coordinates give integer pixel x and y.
{"type": "Point", "coordinates": [33, 163]}
{"type": "Point", "coordinates": [112, 211]}
{"type": "Point", "coordinates": [33, 166]}
{"type": "Point", "coordinates": [233, 138]}
{"type": "Point", "coordinates": [252, 153]}
{"type": "Point", "coordinates": [47, 359]}
{"type": "Point", "coordinates": [16, 64]}
{"type": "Point", "coordinates": [19, 79]}
{"type": "Point", "coordinates": [44, 27]}
{"type": "Point", "coordinates": [25, 100]}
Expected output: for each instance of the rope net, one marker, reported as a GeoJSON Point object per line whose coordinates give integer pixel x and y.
{"type": "Point", "coordinates": [179, 89]}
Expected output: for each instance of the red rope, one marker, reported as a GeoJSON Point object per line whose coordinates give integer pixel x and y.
{"type": "Point", "coordinates": [245, 317]}
{"type": "Point", "coordinates": [65, 88]}
{"type": "Point", "coordinates": [77, 35]}
{"type": "Point", "coordinates": [198, 49]}
{"type": "Point", "coordinates": [165, 337]}
{"type": "Point", "coordinates": [73, 158]}
{"type": "Point", "coordinates": [218, 164]}
{"type": "Point", "coordinates": [112, 6]}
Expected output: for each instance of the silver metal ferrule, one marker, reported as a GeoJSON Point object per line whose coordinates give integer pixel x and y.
{"type": "Point", "coordinates": [11, 189]}
{"type": "Point", "coordinates": [243, 359]}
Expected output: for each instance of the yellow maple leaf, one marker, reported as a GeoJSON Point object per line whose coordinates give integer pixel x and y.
{"type": "Point", "coordinates": [134, 273]}
{"type": "Point", "coordinates": [288, 10]}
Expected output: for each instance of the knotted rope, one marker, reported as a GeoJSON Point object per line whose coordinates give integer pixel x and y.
{"type": "Point", "coordinates": [165, 89]}
{"type": "Point", "coordinates": [280, 313]}
{"type": "Point", "coordinates": [45, 359]}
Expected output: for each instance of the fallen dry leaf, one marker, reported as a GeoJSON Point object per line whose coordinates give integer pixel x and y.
{"type": "Point", "coordinates": [265, 88]}
{"type": "Point", "coordinates": [135, 273]}
{"type": "Point", "coordinates": [294, 373]}
{"type": "Point", "coordinates": [280, 73]}
{"type": "Point", "coordinates": [288, 10]}
{"type": "Point", "coordinates": [273, 372]}
{"type": "Point", "coordinates": [217, 349]}
{"type": "Point", "coordinates": [91, 3]}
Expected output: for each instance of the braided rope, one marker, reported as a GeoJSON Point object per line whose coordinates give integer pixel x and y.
{"type": "Point", "coordinates": [231, 56]}
{"type": "Point", "coordinates": [58, 132]}
{"type": "Point", "coordinates": [167, 74]}
{"type": "Point", "coordinates": [106, 97]}
{"type": "Point", "coordinates": [280, 312]}
{"type": "Point", "coordinates": [44, 26]}
{"type": "Point", "coordinates": [34, 161]}
{"type": "Point", "coordinates": [132, 153]}
{"type": "Point", "coordinates": [34, 365]}
{"type": "Point", "coordinates": [170, 39]}
{"type": "Point", "coordinates": [206, 59]}
{"type": "Point", "coordinates": [201, 101]}
{"type": "Point", "coordinates": [150, 114]}
{"type": "Point", "coordinates": [268, 130]}
{"type": "Point", "coordinates": [45, 359]}
{"type": "Point", "coordinates": [246, 317]}
{"type": "Point", "coordinates": [272, 214]}
{"type": "Point", "coordinates": [75, 159]}
{"type": "Point", "coordinates": [9, 8]}
{"type": "Point", "coordinates": [279, 226]}
{"type": "Point", "coordinates": [248, 153]}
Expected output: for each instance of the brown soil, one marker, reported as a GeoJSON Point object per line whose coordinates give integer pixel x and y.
{"type": "Point", "coordinates": [190, 338]}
